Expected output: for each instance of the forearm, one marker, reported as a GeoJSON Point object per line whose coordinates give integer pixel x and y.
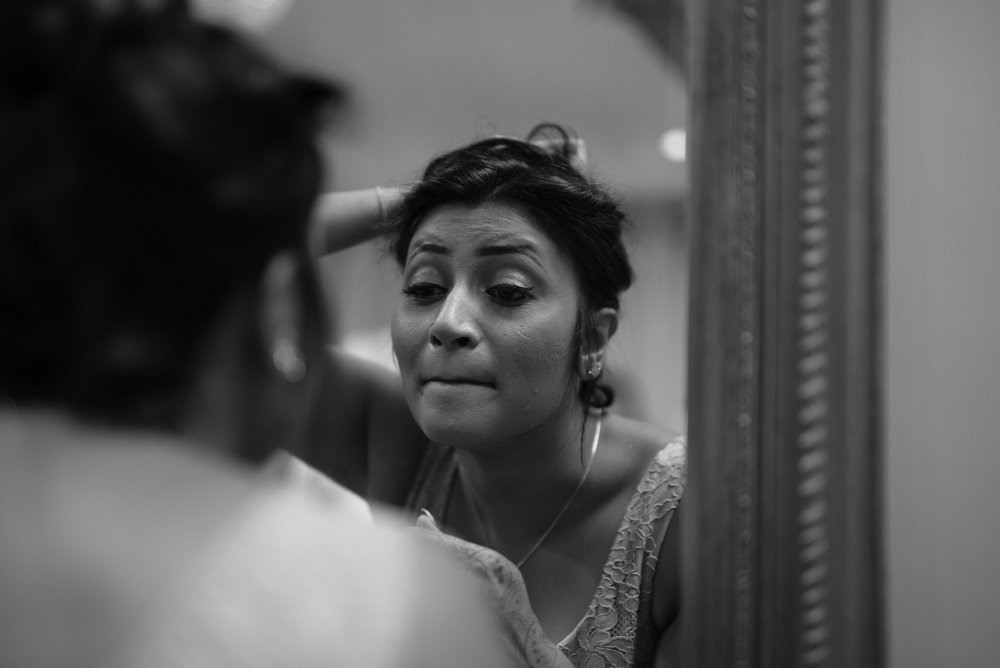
{"type": "Point", "coordinates": [345, 219]}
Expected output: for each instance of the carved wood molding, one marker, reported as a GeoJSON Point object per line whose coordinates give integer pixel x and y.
{"type": "Point", "coordinates": [782, 552]}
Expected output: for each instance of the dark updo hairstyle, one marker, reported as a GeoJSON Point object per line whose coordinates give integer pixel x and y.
{"type": "Point", "coordinates": [150, 166]}
{"type": "Point", "coordinates": [537, 176]}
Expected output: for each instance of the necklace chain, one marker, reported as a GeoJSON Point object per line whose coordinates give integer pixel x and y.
{"type": "Point", "coordinates": [552, 525]}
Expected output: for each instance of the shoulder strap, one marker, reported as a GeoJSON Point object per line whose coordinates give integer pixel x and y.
{"type": "Point", "coordinates": [618, 626]}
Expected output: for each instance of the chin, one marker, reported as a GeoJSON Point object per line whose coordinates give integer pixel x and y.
{"type": "Point", "coordinates": [458, 433]}
{"type": "Point", "coordinates": [454, 435]}
{"type": "Point", "coordinates": [458, 419]}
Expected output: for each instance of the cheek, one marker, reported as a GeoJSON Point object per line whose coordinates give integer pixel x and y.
{"type": "Point", "coordinates": [407, 334]}
{"type": "Point", "coordinates": [542, 358]}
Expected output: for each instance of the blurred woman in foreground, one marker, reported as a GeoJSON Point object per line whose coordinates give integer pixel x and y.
{"type": "Point", "coordinates": [160, 332]}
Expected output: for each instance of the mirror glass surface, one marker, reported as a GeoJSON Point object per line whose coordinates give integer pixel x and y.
{"type": "Point", "coordinates": [429, 75]}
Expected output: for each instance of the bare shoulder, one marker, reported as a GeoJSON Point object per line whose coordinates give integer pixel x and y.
{"type": "Point", "coordinates": [644, 439]}
{"type": "Point", "coordinates": [628, 448]}
{"type": "Point", "coordinates": [315, 587]}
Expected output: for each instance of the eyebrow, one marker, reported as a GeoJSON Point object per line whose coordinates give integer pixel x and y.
{"type": "Point", "coordinates": [525, 249]}
{"type": "Point", "coordinates": [428, 247]}
{"type": "Point", "coordinates": [509, 249]}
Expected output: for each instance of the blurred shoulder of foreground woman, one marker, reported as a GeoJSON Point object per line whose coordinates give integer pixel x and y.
{"type": "Point", "coordinates": [160, 331]}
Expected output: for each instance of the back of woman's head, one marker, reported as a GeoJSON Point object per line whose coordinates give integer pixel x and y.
{"type": "Point", "coordinates": [150, 166]}
{"type": "Point", "coordinates": [541, 177]}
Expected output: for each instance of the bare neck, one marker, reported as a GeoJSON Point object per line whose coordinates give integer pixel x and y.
{"type": "Point", "coordinates": [519, 485]}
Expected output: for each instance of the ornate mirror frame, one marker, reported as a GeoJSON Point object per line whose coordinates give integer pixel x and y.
{"type": "Point", "coordinates": [782, 511]}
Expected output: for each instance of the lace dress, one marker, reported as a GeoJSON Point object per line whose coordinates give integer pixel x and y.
{"type": "Point", "coordinates": [618, 628]}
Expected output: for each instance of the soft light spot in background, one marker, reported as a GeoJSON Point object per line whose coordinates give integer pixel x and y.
{"type": "Point", "coordinates": [673, 145]}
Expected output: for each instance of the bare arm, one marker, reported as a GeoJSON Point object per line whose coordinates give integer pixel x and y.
{"type": "Point", "coordinates": [348, 218]}
{"type": "Point", "coordinates": [666, 593]}
{"type": "Point", "coordinates": [668, 648]}
{"type": "Point", "coordinates": [362, 433]}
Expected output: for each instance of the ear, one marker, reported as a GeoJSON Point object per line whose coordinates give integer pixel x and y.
{"type": "Point", "coordinates": [604, 324]}
{"type": "Point", "coordinates": [281, 316]}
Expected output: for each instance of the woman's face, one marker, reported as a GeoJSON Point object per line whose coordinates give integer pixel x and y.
{"type": "Point", "coordinates": [484, 328]}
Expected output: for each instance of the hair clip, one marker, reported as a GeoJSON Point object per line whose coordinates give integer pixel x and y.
{"type": "Point", "coordinates": [573, 149]}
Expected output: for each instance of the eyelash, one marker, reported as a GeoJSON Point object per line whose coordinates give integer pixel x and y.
{"type": "Point", "coordinates": [428, 293]}
{"type": "Point", "coordinates": [423, 293]}
{"type": "Point", "coordinates": [522, 294]}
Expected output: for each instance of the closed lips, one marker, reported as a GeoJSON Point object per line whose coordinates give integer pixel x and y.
{"type": "Point", "coordinates": [459, 381]}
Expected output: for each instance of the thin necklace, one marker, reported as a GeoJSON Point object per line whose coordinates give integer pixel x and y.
{"type": "Point", "coordinates": [569, 501]}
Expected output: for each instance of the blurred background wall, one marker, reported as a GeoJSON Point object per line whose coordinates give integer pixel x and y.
{"type": "Point", "coordinates": [429, 75]}
{"type": "Point", "coordinates": [942, 344]}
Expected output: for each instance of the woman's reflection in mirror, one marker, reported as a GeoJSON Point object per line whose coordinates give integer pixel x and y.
{"type": "Point", "coordinates": [512, 267]}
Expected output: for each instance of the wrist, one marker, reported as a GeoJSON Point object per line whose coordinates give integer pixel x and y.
{"type": "Point", "coordinates": [388, 199]}
{"type": "Point", "coordinates": [383, 212]}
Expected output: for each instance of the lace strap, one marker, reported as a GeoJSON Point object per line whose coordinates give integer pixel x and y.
{"type": "Point", "coordinates": [618, 626]}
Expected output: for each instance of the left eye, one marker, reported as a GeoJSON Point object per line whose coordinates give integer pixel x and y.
{"type": "Point", "coordinates": [509, 294]}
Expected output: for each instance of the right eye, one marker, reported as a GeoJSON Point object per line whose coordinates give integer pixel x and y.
{"type": "Point", "coordinates": [423, 293]}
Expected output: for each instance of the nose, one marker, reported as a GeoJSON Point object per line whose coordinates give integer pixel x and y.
{"type": "Point", "coordinates": [455, 325]}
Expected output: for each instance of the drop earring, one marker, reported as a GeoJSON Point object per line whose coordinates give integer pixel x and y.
{"type": "Point", "coordinates": [594, 367]}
